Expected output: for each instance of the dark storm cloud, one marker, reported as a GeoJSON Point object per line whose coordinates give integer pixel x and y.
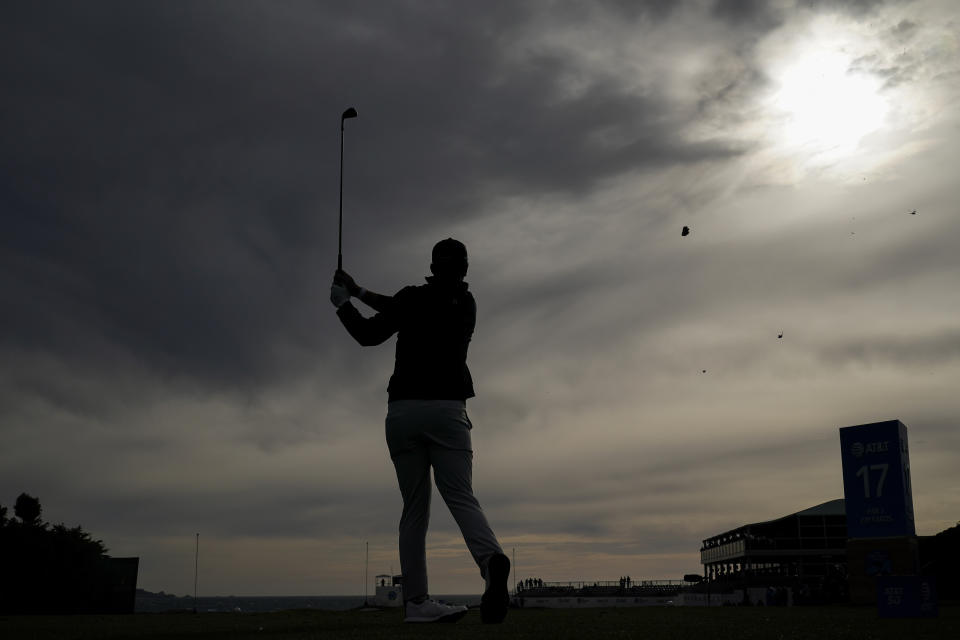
{"type": "Point", "coordinates": [163, 164]}
{"type": "Point", "coordinates": [143, 188]}
{"type": "Point", "coordinates": [487, 120]}
{"type": "Point", "coordinates": [654, 10]}
{"type": "Point", "coordinates": [740, 12]}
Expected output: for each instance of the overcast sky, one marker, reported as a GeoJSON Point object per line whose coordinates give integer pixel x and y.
{"type": "Point", "coordinates": [170, 362]}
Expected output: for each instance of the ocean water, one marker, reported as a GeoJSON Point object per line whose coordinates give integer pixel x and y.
{"type": "Point", "coordinates": [262, 604]}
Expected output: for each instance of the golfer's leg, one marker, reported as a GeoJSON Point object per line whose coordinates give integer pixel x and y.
{"type": "Point", "coordinates": [453, 471]}
{"type": "Point", "coordinates": [408, 450]}
{"type": "Point", "coordinates": [413, 476]}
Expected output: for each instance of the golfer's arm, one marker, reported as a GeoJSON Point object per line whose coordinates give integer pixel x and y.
{"type": "Point", "coordinates": [367, 331]}
{"type": "Point", "coordinates": [376, 301]}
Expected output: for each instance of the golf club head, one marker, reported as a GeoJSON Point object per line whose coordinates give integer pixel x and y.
{"type": "Point", "coordinates": [349, 113]}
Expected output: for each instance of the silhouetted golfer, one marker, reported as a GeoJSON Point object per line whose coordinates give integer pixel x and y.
{"type": "Point", "coordinates": [427, 424]}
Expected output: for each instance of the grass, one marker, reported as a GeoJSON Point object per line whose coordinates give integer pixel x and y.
{"type": "Point", "coordinates": [649, 623]}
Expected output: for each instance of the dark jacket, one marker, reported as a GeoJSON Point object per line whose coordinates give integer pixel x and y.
{"type": "Point", "coordinates": [434, 324]}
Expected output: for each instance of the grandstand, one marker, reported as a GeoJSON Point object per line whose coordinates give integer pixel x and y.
{"type": "Point", "coordinates": [801, 558]}
{"type": "Point", "coordinates": [802, 554]}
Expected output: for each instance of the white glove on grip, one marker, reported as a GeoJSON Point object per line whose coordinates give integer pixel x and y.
{"type": "Point", "coordinates": [339, 295]}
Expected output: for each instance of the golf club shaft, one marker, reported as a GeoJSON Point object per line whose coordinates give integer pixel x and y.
{"type": "Point", "coordinates": [340, 228]}
{"type": "Point", "coordinates": [349, 113]}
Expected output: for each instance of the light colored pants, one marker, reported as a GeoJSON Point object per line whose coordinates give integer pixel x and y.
{"type": "Point", "coordinates": [434, 433]}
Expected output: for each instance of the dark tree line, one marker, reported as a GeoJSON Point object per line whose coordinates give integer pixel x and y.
{"type": "Point", "coordinates": [48, 568]}
{"type": "Point", "coordinates": [939, 558]}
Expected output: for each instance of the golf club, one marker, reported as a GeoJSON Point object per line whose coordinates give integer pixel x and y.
{"type": "Point", "coordinates": [349, 113]}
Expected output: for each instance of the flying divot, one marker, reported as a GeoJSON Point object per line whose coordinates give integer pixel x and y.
{"type": "Point", "coordinates": [685, 231]}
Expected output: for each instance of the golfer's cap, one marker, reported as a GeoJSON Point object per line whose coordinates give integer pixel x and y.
{"type": "Point", "coordinates": [449, 249]}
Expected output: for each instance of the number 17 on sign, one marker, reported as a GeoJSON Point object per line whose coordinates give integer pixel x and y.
{"type": "Point", "coordinates": [865, 472]}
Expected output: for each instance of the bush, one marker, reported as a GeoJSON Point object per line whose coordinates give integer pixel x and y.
{"type": "Point", "coordinates": [47, 569]}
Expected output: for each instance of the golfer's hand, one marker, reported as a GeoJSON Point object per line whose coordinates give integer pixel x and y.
{"type": "Point", "coordinates": [339, 295]}
{"type": "Point", "coordinates": [344, 279]}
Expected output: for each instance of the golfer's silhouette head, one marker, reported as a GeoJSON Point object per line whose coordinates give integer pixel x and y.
{"type": "Point", "coordinates": [449, 260]}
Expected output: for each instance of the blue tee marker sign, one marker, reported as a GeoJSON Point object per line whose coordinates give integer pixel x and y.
{"type": "Point", "coordinates": [876, 480]}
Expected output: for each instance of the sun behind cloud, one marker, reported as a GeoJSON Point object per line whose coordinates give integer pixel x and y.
{"type": "Point", "coordinates": [820, 104]}
{"type": "Point", "coordinates": [827, 107]}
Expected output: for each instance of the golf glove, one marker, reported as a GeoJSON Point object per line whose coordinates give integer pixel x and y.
{"type": "Point", "coordinates": [339, 295]}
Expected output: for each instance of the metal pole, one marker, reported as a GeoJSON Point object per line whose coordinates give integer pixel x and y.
{"type": "Point", "coordinates": [196, 566]}
{"type": "Point", "coordinates": [365, 578]}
